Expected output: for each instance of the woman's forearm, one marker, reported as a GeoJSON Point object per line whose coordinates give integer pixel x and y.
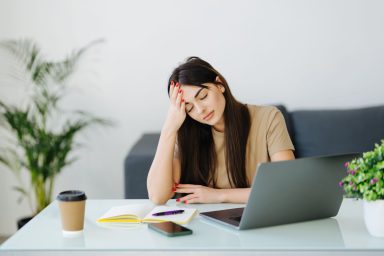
{"type": "Point", "coordinates": [203, 194]}
{"type": "Point", "coordinates": [160, 175]}
{"type": "Point", "coordinates": [235, 195]}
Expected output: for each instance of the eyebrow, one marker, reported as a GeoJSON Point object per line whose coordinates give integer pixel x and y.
{"type": "Point", "coordinates": [197, 94]}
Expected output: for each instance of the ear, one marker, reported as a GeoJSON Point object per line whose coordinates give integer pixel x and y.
{"type": "Point", "coordinates": [220, 86]}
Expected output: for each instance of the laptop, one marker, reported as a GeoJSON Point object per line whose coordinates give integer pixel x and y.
{"type": "Point", "coordinates": [289, 191]}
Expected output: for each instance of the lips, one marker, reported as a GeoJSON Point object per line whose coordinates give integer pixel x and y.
{"type": "Point", "coordinates": [209, 116]}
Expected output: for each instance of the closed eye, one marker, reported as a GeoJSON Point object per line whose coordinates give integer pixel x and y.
{"type": "Point", "coordinates": [204, 94]}
{"type": "Point", "coordinates": [189, 107]}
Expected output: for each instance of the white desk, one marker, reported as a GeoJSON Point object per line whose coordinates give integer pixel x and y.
{"type": "Point", "coordinates": [343, 235]}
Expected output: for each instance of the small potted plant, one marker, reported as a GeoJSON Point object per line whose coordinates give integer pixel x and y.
{"type": "Point", "coordinates": [365, 180]}
{"type": "Point", "coordinates": [41, 134]}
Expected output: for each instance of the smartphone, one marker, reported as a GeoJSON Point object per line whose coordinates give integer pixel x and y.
{"type": "Point", "coordinates": [170, 228]}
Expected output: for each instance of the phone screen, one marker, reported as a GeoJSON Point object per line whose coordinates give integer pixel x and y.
{"type": "Point", "coordinates": [170, 228]}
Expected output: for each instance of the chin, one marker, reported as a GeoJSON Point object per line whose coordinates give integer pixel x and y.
{"type": "Point", "coordinates": [213, 122]}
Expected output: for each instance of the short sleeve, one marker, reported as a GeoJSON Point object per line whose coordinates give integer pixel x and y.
{"type": "Point", "coordinates": [277, 136]}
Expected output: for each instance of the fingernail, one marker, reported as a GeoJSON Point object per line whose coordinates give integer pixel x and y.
{"type": "Point", "coordinates": [178, 200]}
{"type": "Point", "coordinates": [176, 184]}
{"type": "Point", "coordinates": [172, 83]}
{"type": "Point", "coordinates": [180, 91]}
{"type": "Point", "coordinates": [173, 189]}
{"type": "Point", "coordinates": [182, 100]}
{"type": "Point", "coordinates": [185, 201]}
{"type": "Point", "coordinates": [177, 84]}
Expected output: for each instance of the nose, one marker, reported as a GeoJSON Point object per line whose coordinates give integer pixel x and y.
{"type": "Point", "coordinates": [199, 108]}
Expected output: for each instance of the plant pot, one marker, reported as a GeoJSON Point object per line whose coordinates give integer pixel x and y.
{"type": "Point", "coordinates": [374, 217]}
{"type": "Point", "coordinates": [23, 221]}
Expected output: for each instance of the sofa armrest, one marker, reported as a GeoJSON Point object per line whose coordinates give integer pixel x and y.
{"type": "Point", "coordinates": [137, 164]}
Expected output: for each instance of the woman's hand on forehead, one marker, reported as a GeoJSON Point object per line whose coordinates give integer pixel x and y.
{"type": "Point", "coordinates": [176, 112]}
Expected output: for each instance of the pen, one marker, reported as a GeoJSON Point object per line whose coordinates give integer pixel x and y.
{"type": "Point", "coordinates": [168, 213]}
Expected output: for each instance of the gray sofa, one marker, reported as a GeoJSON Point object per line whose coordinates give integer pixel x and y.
{"type": "Point", "coordinates": [313, 132]}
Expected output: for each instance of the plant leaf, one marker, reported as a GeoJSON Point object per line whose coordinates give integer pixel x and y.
{"type": "Point", "coordinates": [25, 51]}
{"type": "Point", "coordinates": [43, 152]}
{"type": "Point", "coordinates": [21, 190]}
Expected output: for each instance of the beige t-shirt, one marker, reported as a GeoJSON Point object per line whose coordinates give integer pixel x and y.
{"type": "Point", "coordinates": [268, 134]}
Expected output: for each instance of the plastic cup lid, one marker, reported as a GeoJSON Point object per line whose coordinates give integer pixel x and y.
{"type": "Point", "coordinates": [71, 195]}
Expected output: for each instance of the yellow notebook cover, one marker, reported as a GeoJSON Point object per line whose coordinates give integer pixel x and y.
{"type": "Point", "coordinates": [137, 213]}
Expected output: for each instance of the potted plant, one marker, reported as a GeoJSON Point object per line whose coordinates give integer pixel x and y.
{"type": "Point", "coordinates": [365, 180]}
{"type": "Point", "coordinates": [42, 135]}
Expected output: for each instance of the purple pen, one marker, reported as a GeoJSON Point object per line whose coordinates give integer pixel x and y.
{"type": "Point", "coordinates": [168, 213]}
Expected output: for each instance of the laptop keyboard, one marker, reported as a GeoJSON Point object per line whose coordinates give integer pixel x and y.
{"type": "Point", "coordinates": [236, 218]}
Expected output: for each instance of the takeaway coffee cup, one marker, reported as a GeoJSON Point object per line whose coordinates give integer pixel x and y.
{"type": "Point", "coordinates": [72, 208]}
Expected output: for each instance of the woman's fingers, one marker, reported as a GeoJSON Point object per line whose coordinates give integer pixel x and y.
{"type": "Point", "coordinates": [176, 111]}
{"type": "Point", "coordinates": [182, 106]}
{"type": "Point", "coordinates": [179, 97]}
{"type": "Point", "coordinates": [191, 198]}
{"type": "Point", "coordinates": [198, 194]}
{"type": "Point", "coordinates": [194, 200]}
{"type": "Point", "coordinates": [175, 92]}
{"type": "Point", "coordinates": [171, 86]}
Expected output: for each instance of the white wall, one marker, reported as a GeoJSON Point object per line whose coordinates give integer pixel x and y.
{"type": "Point", "coordinates": [304, 54]}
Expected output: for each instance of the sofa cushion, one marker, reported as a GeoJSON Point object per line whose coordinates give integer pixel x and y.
{"type": "Point", "coordinates": [325, 132]}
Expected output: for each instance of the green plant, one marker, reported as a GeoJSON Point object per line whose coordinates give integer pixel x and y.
{"type": "Point", "coordinates": [365, 179]}
{"type": "Point", "coordinates": [41, 139]}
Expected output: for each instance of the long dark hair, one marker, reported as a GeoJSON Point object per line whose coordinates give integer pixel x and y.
{"type": "Point", "coordinates": [195, 142]}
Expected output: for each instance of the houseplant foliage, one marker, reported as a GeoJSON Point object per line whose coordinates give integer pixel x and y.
{"type": "Point", "coordinates": [41, 134]}
{"type": "Point", "coordinates": [365, 180]}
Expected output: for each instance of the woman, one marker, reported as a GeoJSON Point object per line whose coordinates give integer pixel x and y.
{"type": "Point", "coordinates": [210, 143]}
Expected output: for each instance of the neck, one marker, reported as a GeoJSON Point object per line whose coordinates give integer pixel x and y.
{"type": "Point", "coordinates": [220, 126]}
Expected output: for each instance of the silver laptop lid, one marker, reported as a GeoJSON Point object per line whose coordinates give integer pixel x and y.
{"type": "Point", "coordinates": [297, 190]}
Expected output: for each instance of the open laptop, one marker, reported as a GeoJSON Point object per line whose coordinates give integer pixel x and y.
{"type": "Point", "coordinates": [290, 191]}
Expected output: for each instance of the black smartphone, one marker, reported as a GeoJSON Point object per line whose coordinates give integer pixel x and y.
{"type": "Point", "coordinates": [170, 228]}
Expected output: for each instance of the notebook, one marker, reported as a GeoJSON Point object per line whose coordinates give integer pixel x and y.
{"type": "Point", "coordinates": [138, 213]}
{"type": "Point", "coordinates": [289, 191]}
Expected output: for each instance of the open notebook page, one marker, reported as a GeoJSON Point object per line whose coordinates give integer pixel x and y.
{"type": "Point", "coordinates": [134, 210]}
{"type": "Point", "coordinates": [178, 218]}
